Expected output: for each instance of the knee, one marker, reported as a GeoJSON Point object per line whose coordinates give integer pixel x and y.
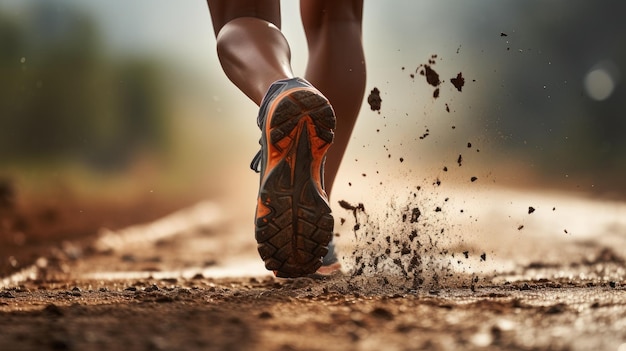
{"type": "Point", "coordinates": [327, 19]}
{"type": "Point", "coordinates": [317, 13]}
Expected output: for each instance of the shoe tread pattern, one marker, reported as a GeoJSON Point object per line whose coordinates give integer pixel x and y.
{"type": "Point", "coordinates": [293, 238]}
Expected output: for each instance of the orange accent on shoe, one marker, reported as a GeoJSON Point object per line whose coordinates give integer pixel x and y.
{"type": "Point", "coordinates": [330, 269]}
{"type": "Point", "coordinates": [293, 218]}
{"type": "Point", "coordinates": [276, 152]}
{"type": "Point", "coordinates": [261, 209]}
{"type": "Point", "coordinates": [318, 149]}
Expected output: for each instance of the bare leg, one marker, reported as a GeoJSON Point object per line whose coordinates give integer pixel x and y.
{"type": "Point", "coordinates": [336, 66]}
{"type": "Point", "coordinates": [251, 48]}
{"type": "Point", "coordinates": [293, 221]}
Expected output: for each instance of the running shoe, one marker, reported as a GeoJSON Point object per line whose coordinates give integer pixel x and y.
{"type": "Point", "coordinates": [293, 221]}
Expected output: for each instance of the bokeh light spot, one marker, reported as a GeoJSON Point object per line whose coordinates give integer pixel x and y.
{"type": "Point", "coordinates": [599, 84]}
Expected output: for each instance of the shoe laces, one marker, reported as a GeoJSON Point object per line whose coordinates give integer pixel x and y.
{"type": "Point", "coordinates": [255, 165]}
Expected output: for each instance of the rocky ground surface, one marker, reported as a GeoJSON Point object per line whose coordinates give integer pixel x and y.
{"type": "Point", "coordinates": [553, 277]}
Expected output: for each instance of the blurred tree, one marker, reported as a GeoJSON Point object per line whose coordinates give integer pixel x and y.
{"type": "Point", "coordinates": [61, 98]}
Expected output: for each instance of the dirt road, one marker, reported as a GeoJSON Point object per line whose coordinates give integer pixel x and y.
{"type": "Point", "coordinates": [503, 277]}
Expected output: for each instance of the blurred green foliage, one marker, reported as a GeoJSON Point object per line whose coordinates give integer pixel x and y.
{"type": "Point", "coordinates": [62, 99]}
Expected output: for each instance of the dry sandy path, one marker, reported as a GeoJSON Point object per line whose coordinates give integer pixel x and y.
{"type": "Point", "coordinates": [192, 281]}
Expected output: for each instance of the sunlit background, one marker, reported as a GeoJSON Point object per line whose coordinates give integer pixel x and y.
{"type": "Point", "coordinates": [116, 111]}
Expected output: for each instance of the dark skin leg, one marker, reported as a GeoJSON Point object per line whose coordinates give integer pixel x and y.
{"type": "Point", "coordinates": [336, 67]}
{"type": "Point", "coordinates": [251, 48]}
{"type": "Point", "coordinates": [254, 54]}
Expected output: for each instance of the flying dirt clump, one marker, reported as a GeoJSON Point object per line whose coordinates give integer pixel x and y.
{"type": "Point", "coordinates": [355, 210]}
{"type": "Point", "coordinates": [458, 82]}
{"type": "Point", "coordinates": [374, 99]}
{"type": "Point", "coordinates": [432, 77]}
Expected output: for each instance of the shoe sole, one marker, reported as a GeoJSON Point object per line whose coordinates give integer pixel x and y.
{"type": "Point", "coordinates": [294, 223]}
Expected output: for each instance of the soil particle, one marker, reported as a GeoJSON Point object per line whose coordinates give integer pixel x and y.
{"type": "Point", "coordinates": [447, 108]}
{"type": "Point", "coordinates": [355, 210]}
{"type": "Point", "coordinates": [520, 227]}
{"type": "Point", "coordinates": [405, 249]}
{"type": "Point", "coordinates": [502, 34]}
{"type": "Point", "coordinates": [6, 295]}
{"type": "Point", "coordinates": [267, 315]}
{"type": "Point", "coordinates": [415, 214]}
{"type": "Point", "coordinates": [458, 82]}
{"type": "Point", "coordinates": [374, 99]}
{"type": "Point", "coordinates": [466, 254]}
{"type": "Point", "coordinates": [163, 299]}
{"type": "Point", "coordinates": [483, 257]}
{"type": "Point", "coordinates": [382, 313]}
{"type": "Point", "coordinates": [556, 309]}
{"type": "Point", "coordinates": [52, 310]}
{"type": "Point", "coordinates": [473, 179]}
{"type": "Point", "coordinates": [346, 205]}
{"type": "Point", "coordinates": [151, 288]}
{"type": "Point", "coordinates": [531, 209]}
{"type": "Point", "coordinates": [432, 77]}
{"type": "Point", "coordinates": [436, 93]}
{"type": "Point", "coordinates": [459, 160]}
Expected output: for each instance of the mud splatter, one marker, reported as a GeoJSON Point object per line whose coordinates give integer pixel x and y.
{"type": "Point", "coordinates": [432, 77]}
{"type": "Point", "coordinates": [413, 255]}
{"type": "Point", "coordinates": [374, 99]}
{"type": "Point", "coordinates": [458, 82]}
{"type": "Point", "coordinates": [415, 215]}
{"type": "Point", "coordinates": [355, 211]}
